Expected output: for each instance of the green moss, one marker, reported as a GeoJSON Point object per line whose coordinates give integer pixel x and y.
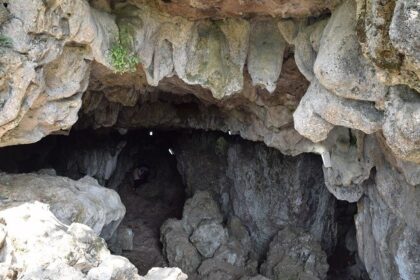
{"type": "Point", "coordinates": [122, 59]}
{"type": "Point", "coordinates": [121, 54]}
{"type": "Point", "coordinates": [5, 42]}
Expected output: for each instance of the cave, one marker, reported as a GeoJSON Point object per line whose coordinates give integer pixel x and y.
{"type": "Point", "coordinates": [186, 163]}
{"type": "Point", "coordinates": [209, 140]}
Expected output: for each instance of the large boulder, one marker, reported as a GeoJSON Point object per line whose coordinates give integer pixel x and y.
{"type": "Point", "coordinates": [83, 201]}
{"type": "Point", "coordinates": [36, 245]}
{"type": "Point", "coordinates": [294, 254]}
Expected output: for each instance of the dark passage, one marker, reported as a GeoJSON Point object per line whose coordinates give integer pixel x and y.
{"type": "Point", "coordinates": [112, 159]}
{"type": "Point", "coordinates": [144, 167]}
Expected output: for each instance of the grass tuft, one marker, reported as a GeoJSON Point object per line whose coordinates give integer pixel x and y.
{"type": "Point", "coordinates": [122, 59]}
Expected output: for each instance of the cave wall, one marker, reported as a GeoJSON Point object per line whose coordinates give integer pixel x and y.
{"type": "Point", "coordinates": [337, 79]}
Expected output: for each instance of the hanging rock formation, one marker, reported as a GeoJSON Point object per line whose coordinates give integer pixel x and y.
{"type": "Point", "coordinates": [335, 78]}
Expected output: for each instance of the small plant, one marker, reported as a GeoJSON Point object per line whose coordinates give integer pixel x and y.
{"type": "Point", "coordinates": [5, 42]}
{"type": "Point", "coordinates": [122, 59]}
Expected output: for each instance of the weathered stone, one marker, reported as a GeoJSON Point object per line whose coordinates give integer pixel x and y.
{"type": "Point", "coordinates": [220, 9]}
{"type": "Point", "coordinates": [122, 239]}
{"type": "Point", "coordinates": [200, 207]}
{"type": "Point", "coordinates": [208, 237]}
{"type": "Point", "coordinates": [402, 124]}
{"type": "Point", "coordinates": [318, 103]}
{"type": "Point", "coordinates": [405, 28]}
{"type": "Point", "coordinates": [45, 97]}
{"type": "Point", "coordinates": [295, 254]}
{"type": "Point", "coordinates": [307, 44]}
{"type": "Point", "coordinates": [165, 274]}
{"type": "Point", "coordinates": [307, 122]}
{"type": "Point", "coordinates": [177, 248]}
{"type": "Point", "coordinates": [49, 249]}
{"type": "Point", "coordinates": [265, 57]}
{"type": "Point", "coordinates": [384, 31]}
{"type": "Point", "coordinates": [246, 190]}
{"type": "Point", "coordinates": [82, 201]}
{"type": "Point", "coordinates": [340, 66]}
{"type": "Point", "coordinates": [386, 244]}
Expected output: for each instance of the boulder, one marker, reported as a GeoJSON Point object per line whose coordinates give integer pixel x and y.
{"type": "Point", "coordinates": [167, 273]}
{"type": "Point", "coordinates": [201, 207]}
{"type": "Point", "coordinates": [177, 248]}
{"type": "Point", "coordinates": [83, 201]}
{"type": "Point", "coordinates": [49, 249]}
{"type": "Point", "coordinates": [294, 254]}
{"type": "Point", "coordinates": [208, 237]}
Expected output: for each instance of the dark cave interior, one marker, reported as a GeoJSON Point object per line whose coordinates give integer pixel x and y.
{"type": "Point", "coordinates": [111, 156]}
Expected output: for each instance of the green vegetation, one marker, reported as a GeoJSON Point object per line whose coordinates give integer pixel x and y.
{"type": "Point", "coordinates": [5, 42]}
{"type": "Point", "coordinates": [122, 59]}
{"type": "Point", "coordinates": [121, 56]}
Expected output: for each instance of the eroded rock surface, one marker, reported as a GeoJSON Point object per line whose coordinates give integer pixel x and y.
{"type": "Point", "coordinates": [47, 248]}
{"type": "Point", "coordinates": [83, 201]}
{"type": "Point", "coordinates": [294, 254]}
{"type": "Point", "coordinates": [287, 73]}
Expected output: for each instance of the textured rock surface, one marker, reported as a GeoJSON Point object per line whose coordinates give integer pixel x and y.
{"type": "Point", "coordinates": [388, 34]}
{"type": "Point", "coordinates": [165, 274]}
{"type": "Point", "coordinates": [251, 190]}
{"type": "Point", "coordinates": [217, 9]}
{"type": "Point", "coordinates": [387, 245]}
{"type": "Point", "coordinates": [235, 66]}
{"type": "Point", "coordinates": [49, 249]}
{"type": "Point", "coordinates": [82, 201]}
{"type": "Point", "coordinates": [38, 95]}
{"type": "Point", "coordinates": [234, 212]}
{"type": "Point", "coordinates": [293, 254]}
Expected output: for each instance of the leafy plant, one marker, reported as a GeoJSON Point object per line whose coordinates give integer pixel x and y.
{"type": "Point", "coordinates": [122, 59]}
{"type": "Point", "coordinates": [5, 42]}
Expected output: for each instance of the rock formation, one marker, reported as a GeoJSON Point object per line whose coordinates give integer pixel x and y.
{"type": "Point", "coordinates": [335, 78]}
{"type": "Point", "coordinates": [58, 238]}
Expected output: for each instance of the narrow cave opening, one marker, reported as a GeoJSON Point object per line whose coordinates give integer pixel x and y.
{"type": "Point", "coordinates": [214, 204]}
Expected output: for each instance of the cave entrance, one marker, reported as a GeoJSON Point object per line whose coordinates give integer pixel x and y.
{"type": "Point", "coordinates": [260, 201]}
{"type": "Point", "coordinates": [112, 157]}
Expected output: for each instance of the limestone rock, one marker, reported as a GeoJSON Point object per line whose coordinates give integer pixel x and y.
{"type": "Point", "coordinates": [38, 93]}
{"type": "Point", "coordinates": [246, 192]}
{"type": "Point", "coordinates": [49, 249]}
{"type": "Point", "coordinates": [208, 237]}
{"type": "Point", "coordinates": [400, 197]}
{"type": "Point", "coordinates": [402, 124]}
{"type": "Point", "coordinates": [307, 122]}
{"type": "Point", "coordinates": [351, 163]}
{"type": "Point", "coordinates": [320, 103]}
{"type": "Point", "coordinates": [177, 248]}
{"type": "Point", "coordinates": [258, 277]}
{"type": "Point", "coordinates": [340, 66]}
{"type": "Point", "coordinates": [221, 9]}
{"type": "Point", "coordinates": [165, 274]}
{"type": "Point", "coordinates": [122, 239]}
{"type": "Point", "coordinates": [307, 44]}
{"type": "Point", "coordinates": [386, 244]}
{"type": "Point", "coordinates": [388, 33]}
{"type": "Point", "coordinates": [222, 256]}
{"type": "Point", "coordinates": [201, 207]}
{"type": "Point", "coordinates": [82, 201]}
{"type": "Point", "coordinates": [295, 254]}
{"type": "Point", "coordinates": [265, 57]}
{"type": "Point", "coordinates": [404, 29]}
